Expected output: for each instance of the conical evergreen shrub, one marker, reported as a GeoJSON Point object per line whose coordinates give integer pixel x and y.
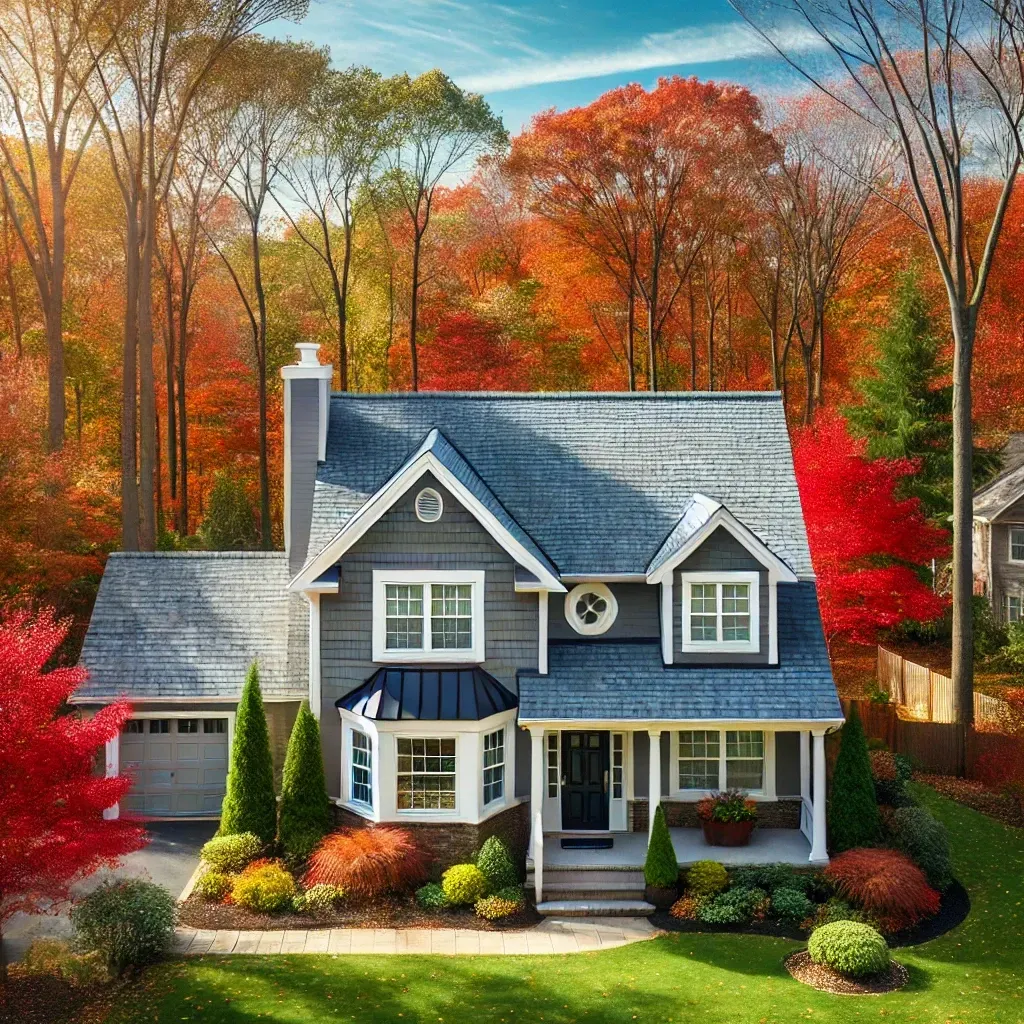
{"type": "Point", "coordinates": [249, 804]}
{"type": "Point", "coordinates": [853, 818]}
{"type": "Point", "coordinates": [305, 812]}
{"type": "Point", "coordinates": [661, 869]}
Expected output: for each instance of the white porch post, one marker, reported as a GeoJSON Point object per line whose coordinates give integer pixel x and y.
{"type": "Point", "coordinates": [819, 847]}
{"type": "Point", "coordinates": [653, 776]}
{"type": "Point", "coordinates": [314, 653]}
{"type": "Point", "coordinates": [537, 809]}
{"type": "Point", "coordinates": [113, 769]}
{"type": "Point", "coordinates": [805, 766]}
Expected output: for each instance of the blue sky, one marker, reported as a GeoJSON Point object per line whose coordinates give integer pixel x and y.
{"type": "Point", "coordinates": [526, 56]}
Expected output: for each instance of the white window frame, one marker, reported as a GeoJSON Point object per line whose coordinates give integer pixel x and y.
{"type": "Point", "coordinates": [751, 646]}
{"type": "Point", "coordinates": [425, 578]}
{"type": "Point", "coordinates": [766, 792]}
{"type": "Point", "coordinates": [429, 812]}
{"type": "Point", "coordinates": [1010, 598]}
{"type": "Point", "coordinates": [501, 731]}
{"type": "Point", "coordinates": [1009, 543]}
{"type": "Point", "coordinates": [352, 733]}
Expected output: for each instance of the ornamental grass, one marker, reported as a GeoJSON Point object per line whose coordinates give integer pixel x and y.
{"type": "Point", "coordinates": [368, 861]}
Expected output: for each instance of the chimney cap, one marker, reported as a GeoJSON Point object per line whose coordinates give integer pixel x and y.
{"type": "Point", "coordinates": [307, 353]}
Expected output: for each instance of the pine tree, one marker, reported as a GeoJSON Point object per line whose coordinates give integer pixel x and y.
{"type": "Point", "coordinates": [305, 811]}
{"type": "Point", "coordinates": [853, 818]}
{"type": "Point", "coordinates": [661, 869]}
{"type": "Point", "coordinates": [250, 804]}
{"type": "Point", "coordinates": [230, 520]}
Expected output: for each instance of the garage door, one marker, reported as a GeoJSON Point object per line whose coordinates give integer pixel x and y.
{"type": "Point", "coordinates": [179, 764]}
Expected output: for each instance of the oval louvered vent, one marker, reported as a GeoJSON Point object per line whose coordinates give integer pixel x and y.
{"type": "Point", "coordinates": [428, 505]}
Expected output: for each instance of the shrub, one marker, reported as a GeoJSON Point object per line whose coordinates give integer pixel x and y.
{"type": "Point", "coordinates": [214, 886]}
{"type": "Point", "coordinates": [850, 948]}
{"type": "Point", "coordinates": [249, 804]}
{"type": "Point", "coordinates": [791, 904]}
{"type": "Point", "coordinates": [463, 884]}
{"type": "Point", "coordinates": [432, 897]}
{"type": "Point", "coordinates": [305, 816]}
{"type": "Point", "coordinates": [319, 900]}
{"type": "Point", "coordinates": [706, 878]}
{"type": "Point", "coordinates": [686, 908]}
{"type": "Point", "coordinates": [56, 959]}
{"type": "Point", "coordinates": [231, 853]}
{"type": "Point", "coordinates": [661, 868]}
{"type": "Point", "coordinates": [772, 877]}
{"type": "Point", "coordinates": [887, 884]}
{"type": "Point", "coordinates": [924, 839]}
{"type": "Point", "coordinates": [735, 906]}
{"type": "Point", "coordinates": [853, 810]}
{"type": "Point", "coordinates": [496, 863]}
{"type": "Point", "coordinates": [265, 887]}
{"type": "Point", "coordinates": [129, 922]}
{"type": "Point", "coordinates": [514, 893]}
{"type": "Point", "coordinates": [836, 909]}
{"type": "Point", "coordinates": [229, 523]}
{"type": "Point", "coordinates": [493, 908]}
{"type": "Point", "coordinates": [369, 861]}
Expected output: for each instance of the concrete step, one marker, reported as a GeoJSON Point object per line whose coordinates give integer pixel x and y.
{"type": "Point", "coordinates": [583, 889]}
{"type": "Point", "coordinates": [595, 908]}
{"type": "Point", "coordinates": [591, 876]}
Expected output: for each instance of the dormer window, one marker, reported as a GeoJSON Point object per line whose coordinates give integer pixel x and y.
{"type": "Point", "coordinates": [720, 612]}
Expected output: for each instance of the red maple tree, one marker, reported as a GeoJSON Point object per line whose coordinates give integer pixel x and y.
{"type": "Point", "coordinates": [867, 544]}
{"type": "Point", "coordinates": [52, 830]}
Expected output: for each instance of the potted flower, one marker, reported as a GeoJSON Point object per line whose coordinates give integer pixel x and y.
{"type": "Point", "coordinates": [727, 818]}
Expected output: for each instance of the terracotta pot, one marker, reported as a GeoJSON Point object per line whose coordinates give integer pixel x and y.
{"type": "Point", "coordinates": [727, 833]}
{"type": "Point", "coordinates": [661, 897]}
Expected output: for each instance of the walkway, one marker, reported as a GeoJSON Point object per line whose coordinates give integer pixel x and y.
{"type": "Point", "coordinates": [553, 935]}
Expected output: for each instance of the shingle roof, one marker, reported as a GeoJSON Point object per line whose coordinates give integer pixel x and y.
{"type": "Point", "coordinates": [189, 624]}
{"type": "Point", "coordinates": [601, 681]}
{"type": "Point", "coordinates": [698, 511]}
{"type": "Point", "coordinates": [991, 499]}
{"type": "Point", "coordinates": [596, 480]}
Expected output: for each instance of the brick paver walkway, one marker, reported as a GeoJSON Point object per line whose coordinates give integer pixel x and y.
{"type": "Point", "coordinates": [552, 935]}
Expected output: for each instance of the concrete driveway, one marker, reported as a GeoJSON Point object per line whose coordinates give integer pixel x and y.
{"type": "Point", "coordinates": [169, 860]}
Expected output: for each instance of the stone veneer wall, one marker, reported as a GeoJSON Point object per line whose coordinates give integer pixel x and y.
{"type": "Point", "coordinates": [457, 842]}
{"type": "Point", "coordinates": [683, 814]}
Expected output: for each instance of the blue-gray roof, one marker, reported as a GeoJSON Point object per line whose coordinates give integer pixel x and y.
{"type": "Point", "coordinates": [601, 681]}
{"type": "Point", "coordinates": [597, 481]}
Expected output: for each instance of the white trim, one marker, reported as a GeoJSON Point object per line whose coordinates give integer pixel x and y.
{"type": "Point", "coordinates": [724, 518]}
{"type": "Point", "coordinates": [87, 701]}
{"type": "Point", "coordinates": [653, 777]}
{"type": "Point", "coordinates": [425, 578]}
{"type": "Point", "coordinates": [605, 622]}
{"type": "Point", "coordinates": [314, 653]}
{"type": "Point", "coordinates": [112, 771]}
{"type": "Point", "coordinates": [642, 724]}
{"type": "Point", "coordinates": [618, 818]}
{"type": "Point", "coordinates": [819, 840]}
{"type": "Point", "coordinates": [1009, 543]}
{"type": "Point", "coordinates": [507, 764]}
{"type": "Point", "coordinates": [606, 577]}
{"type": "Point", "coordinates": [667, 621]}
{"type": "Point", "coordinates": [766, 793]}
{"type": "Point", "coordinates": [773, 620]}
{"type": "Point", "coordinates": [542, 632]}
{"type": "Point", "coordinates": [751, 646]}
{"type": "Point", "coordinates": [385, 498]}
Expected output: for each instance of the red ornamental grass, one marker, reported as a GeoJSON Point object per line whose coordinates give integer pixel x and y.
{"type": "Point", "coordinates": [886, 884]}
{"type": "Point", "coordinates": [368, 861]}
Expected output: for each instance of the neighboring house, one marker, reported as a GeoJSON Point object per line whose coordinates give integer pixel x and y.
{"type": "Point", "coordinates": [999, 536]}
{"type": "Point", "coordinates": [525, 614]}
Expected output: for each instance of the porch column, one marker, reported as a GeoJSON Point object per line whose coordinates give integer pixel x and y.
{"type": "Point", "coordinates": [537, 809]}
{"type": "Point", "coordinates": [653, 776]}
{"type": "Point", "coordinates": [805, 765]}
{"type": "Point", "coordinates": [819, 847]}
{"type": "Point", "coordinates": [112, 770]}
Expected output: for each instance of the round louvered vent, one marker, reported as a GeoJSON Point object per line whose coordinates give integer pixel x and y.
{"type": "Point", "coordinates": [429, 505]}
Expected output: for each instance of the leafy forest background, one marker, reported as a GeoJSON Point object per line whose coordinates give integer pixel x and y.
{"type": "Point", "coordinates": [183, 200]}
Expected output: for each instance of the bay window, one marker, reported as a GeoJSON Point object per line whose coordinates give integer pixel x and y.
{"type": "Point", "coordinates": [720, 612]}
{"type": "Point", "coordinates": [494, 766]}
{"type": "Point", "coordinates": [426, 773]}
{"type": "Point", "coordinates": [362, 769]}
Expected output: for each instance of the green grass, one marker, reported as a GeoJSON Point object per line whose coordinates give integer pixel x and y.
{"type": "Point", "coordinates": [973, 974]}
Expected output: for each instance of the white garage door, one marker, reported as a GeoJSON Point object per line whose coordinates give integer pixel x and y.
{"type": "Point", "coordinates": [179, 765]}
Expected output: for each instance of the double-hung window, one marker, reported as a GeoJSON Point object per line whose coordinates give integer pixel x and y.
{"type": "Point", "coordinates": [426, 773]}
{"type": "Point", "coordinates": [720, 612]}
{"type": "Point", "coordinates": [494, 766]}
{"type": "Point", "coordinates": [362, 769]}
{"type": "Point", "coordinates": [1017, 543]}
{"type": "Point", "coordinates": [711, 759]}
{"type": "Point", "coordinates": [424, 615]}
{"type": "Point", "coordinates": [1014, 604]}
{"type": "Point", "coordinates": [698, 759]}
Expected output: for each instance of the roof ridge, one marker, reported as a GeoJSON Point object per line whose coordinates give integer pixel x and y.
{"type": "Point", "coordinates": [632, 396]}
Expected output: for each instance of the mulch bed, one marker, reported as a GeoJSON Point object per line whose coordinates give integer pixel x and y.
{"type": "Point", "coordinates": [976, 796]}
{"type": "Point", "coordinates": [776, 929]}
{"type": "Point", "coordinates": [47, 1000]}
{"type": "Point", "coordinates": [397, 911]}
{"type": "Point", "coordinates": [804, 969]}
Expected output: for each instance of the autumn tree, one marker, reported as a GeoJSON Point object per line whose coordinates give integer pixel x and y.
{"type": "Point", "coordinates": [52, 829]}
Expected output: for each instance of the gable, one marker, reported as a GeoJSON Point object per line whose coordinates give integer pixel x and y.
{"type": "Point", "coordinates": [721, 552]}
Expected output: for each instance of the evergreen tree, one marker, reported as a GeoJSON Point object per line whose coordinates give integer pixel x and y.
{"type": "Point", "coordinates": [305, 811]}
{"type": "Point", "coordinates": [853, 818]}
{"type": "Point", "coordinates": [250, 804]}
{"type": "Point", "coordinates": [230, 520]}
{"type": "Point", "coordinates": [661, 869]}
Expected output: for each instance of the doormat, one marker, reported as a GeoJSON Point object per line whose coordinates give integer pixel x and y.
{"type": "Point", "coordinates": [588, 843]}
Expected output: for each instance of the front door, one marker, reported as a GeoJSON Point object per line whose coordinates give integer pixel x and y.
{"type": "Point", "coordinates": [584, 780]}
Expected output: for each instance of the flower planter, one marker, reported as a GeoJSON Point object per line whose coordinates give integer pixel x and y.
{"type": "Point", "coordinates": [727, 833]}
{"type": "Point", "coordinates": [661, 897]}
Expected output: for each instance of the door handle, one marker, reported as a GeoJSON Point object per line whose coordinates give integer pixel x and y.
{"type": "Point", "coordinates": [606, 780]}
{"type": "Point", "coordinates": [563, 781]}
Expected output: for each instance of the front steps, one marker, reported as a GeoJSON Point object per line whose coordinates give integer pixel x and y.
{"type": "Point", "coordinates": [584, 891]}
{"type": "Point", "coordinates": [595, 908]}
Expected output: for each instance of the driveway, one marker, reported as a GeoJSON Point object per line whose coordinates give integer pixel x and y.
{"type": "Point", "coordinates": [169, 860]}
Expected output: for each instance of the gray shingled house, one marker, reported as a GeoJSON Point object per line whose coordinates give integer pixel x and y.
{"type": "Point", "coordinates": [530, 615]}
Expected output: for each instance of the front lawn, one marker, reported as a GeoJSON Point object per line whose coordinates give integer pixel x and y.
{"type": "Point", "coordinates": [973, 974]}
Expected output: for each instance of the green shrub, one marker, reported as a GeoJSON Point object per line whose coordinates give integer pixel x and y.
{"type": "Point", "coordinates": [464, 884]}
{"type": "Point", "coordinates": [515, 893]}
{"type": "Point", "coordinates": [265, 887]}
{"type": "Point", "coordinates": [661, 868]}
{"type": "Point", "coordinates": [496, 863]}
{"type": "Point", "coordinates": [231, 853]}
{"type": "Point", "coordinates": [432, 897]}
{"type": "Point", "coordinates": [791, 905]}
{"type": "Point", "coordinates": [853, 818]}
{"type": "Point", "coordinates": [249, 804]}
{"type": "Point", "coordinates": [736, 906]}
{"type": "Point", "coordinates": [837, 909]}
{"type": "Point", "coordinates": [706, 878]}
{"type": "Point", "coordinates": [924, 839]}
{"type": "Point", "coordinates": [319, 900]}
{"type": "Point", "coordinates": [129, 922]}
{"type": "Point", "coordinates": [772, 877]}
{"type": "Point", "coordinates": [214, 886]}
{"type": "Point", "coordinates": [850, 948]}
{"type": "Point", "coordinates": [229, 523]}
{"type": "Point", "coordinates": [305, 814]}
{"type": "Point", "coordinates": [493, 908]}
{"type": "Point", "coordinates": [56, 959]}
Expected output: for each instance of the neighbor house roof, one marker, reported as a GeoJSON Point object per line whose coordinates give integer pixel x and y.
{"type": "Point", "coordinates": [596, 481]}
{"type": "Point", "coordinates": [189, 624]}
{"type": "Point", "coordinates": [603, 681]}
{"type": "Point", "coordinates": [994, 497]}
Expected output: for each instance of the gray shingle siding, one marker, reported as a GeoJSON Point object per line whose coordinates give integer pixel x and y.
{"type": "Point", "coordinates": [638, 616]}
{"type": "Point", "coordinates": [305, 441]}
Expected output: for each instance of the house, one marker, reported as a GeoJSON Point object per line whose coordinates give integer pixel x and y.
{"type": "Point", "coordinates": [998, 539]}
{"type": "Point", "coordinates": [537, 616]}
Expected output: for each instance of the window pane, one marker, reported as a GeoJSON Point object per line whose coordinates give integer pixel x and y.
{"type": "Point", "coordinates": [403, 603]}
{"type": "Point", "coordinates": [553, 765]}
{"type": "Point", "coordinates": [426, 773]}
{"type": "Point", "coordinates": [1013, 609]}
{"type": "Point", "coordinates": [744, 766]}
{"type": "Point", "coordinates": [698, 758]}
{"type": "Point", "coordinates": [132, 727]}
{"type": "Point", "coordinates": [617, 762]}
{"type": "Point", "coordinates": [159, 725]}
{"type": "Point", "coordinates": [188, 726]}
{"type": "Point", "coordinates": [494, 766]}
{"type": "Point", "coordinates": [1017, 545]}
{"type": "Point", "coordinates": [215, 725]}
{"type": "Point", "coordinates": [362, 779]}
{"type": "Point", "coordinates": [451, 611]}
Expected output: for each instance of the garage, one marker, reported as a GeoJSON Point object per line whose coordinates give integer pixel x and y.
{"type": "Point", "coordinates": [179, 765]}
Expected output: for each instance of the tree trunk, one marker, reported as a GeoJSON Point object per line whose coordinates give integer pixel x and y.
{"type": "Point", "coordinates": [266, 532]}
{"type": "Point", "coordinates": [159, 480]}
{"type": "Point", "coordinates": [631, 335]}
{"type": "Point", "coordinates": [12, 291]}
{"type": "Point", "coordinates": [129, 390]}
{"type": "Point", "coordinates": [807, 352]}
{"type": "Point", "coordinates": [342, 299]}
{"type": "Point", "coordinates": [147, 389]}
{"type": "Point", "coordinates": [819, 373]}
{"type": "Point", "coordinates": [183, 419]}
{"type": "Point", "coordinates": [414, 360]}
{"type": "Point", "coordinates": [652, 330]}
{"type": "Point", "coordinates": [172, 427]}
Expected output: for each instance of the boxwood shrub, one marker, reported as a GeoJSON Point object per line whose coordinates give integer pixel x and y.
{"type": "Point", "coordinates": [432, 897]}
{"type": "Point", "coordinates": [214, 886]}
{"type": "Point", "coordinates": [791, 905]}
{"type": "Point", "coordinates": [496, 863]}
{"type": "Point", "coordinates": [706, 878]}
{"type": "Point", "coordinates": [265, 887]}
{"type": "Point", "coordinates": [232, 853]}
{"type": "Point", "coordinates": [850, 948]}
{"type": "Point", "coordinates": [463, 884]}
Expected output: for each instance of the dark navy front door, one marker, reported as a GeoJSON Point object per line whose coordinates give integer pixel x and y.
{"type": "Point", "coordinates": [584, 780]}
